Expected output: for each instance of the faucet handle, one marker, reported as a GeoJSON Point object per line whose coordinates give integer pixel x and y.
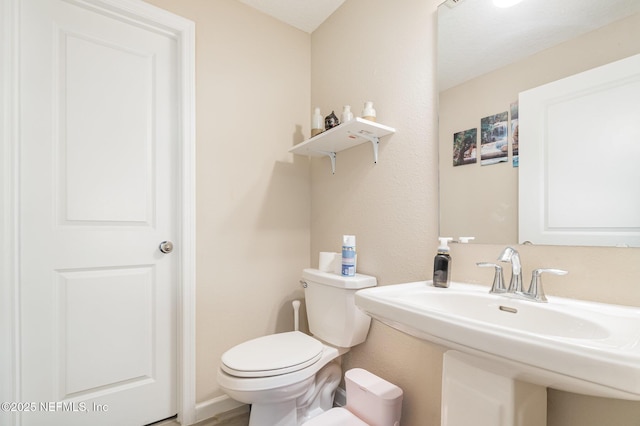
{"type": "Point", "coordinates": [498, 279]}
{"type": "Point", "coordinates": [536, 291]}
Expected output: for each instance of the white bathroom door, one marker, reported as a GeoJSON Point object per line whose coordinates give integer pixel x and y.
{"type": "Point", "coordinates": [98, 152]}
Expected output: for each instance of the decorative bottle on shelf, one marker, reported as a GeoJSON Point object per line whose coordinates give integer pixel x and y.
{"type": "Point", "coordinates": [369, 113]}
{"type": "Point", "coordinates": [316, 123]}
{"type": "Point", "coordinates": [331, 121]}
{"type": "Point", "coordinates": [347, 115]}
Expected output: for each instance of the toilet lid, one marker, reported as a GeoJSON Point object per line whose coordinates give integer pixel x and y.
{"type": "Point", "coordinates": [272, 355]}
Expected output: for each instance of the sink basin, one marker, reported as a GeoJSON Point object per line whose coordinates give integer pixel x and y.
{"type": "Point", "coordinates": [576, 346]}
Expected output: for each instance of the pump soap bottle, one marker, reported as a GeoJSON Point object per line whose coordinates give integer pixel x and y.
{"type": "Point", "coordinates": [442, 264]}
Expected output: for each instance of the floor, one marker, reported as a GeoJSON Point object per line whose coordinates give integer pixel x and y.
{"type": "Point", "coordinates": [238, 417]}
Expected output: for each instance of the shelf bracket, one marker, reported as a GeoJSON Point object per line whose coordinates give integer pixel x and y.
{"type": "Point", "coordinates": [375, 141]}
{"type": "Point", "coordinates": [332, 156]}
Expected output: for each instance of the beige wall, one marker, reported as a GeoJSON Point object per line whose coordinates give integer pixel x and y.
{"type": "Point", "coordinates": [262, 218]}
{"type": "Point", "coordinates": [383, 51]}
{"type": "Point", "coordinates": [253, 202]}
{"type": "Point", "coordinates": [482, 201]}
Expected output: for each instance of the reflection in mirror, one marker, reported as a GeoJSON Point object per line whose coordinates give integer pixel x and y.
{"type": "Point", "coordinates": [486, 57]}
{"type": "Point", "coordinates": [581, 135]}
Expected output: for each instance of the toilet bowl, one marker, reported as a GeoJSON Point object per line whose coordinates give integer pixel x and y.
{"type": "Point", "coordinates": [289, 378]}
{"type": "Point", "coordinates": [282, 376]}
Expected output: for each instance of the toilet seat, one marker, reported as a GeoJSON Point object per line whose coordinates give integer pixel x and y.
{"type": "Point", "coordinates": [272, 355]}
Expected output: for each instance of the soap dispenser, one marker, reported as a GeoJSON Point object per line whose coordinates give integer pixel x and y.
{"type": "Point", "coordinates": [442, 264]}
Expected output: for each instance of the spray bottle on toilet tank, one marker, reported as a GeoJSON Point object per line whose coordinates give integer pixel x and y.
{"type": "Point", "coordinates": [349, 255]}
{"type": "Point", "coordinates": [442, 264]}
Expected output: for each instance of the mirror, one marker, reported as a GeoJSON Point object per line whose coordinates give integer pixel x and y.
{"type": "Point", "coordinates": [486, 57]}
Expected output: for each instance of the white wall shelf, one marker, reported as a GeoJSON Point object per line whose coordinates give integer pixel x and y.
{"type": "Point", "coordinates": [344, 136]}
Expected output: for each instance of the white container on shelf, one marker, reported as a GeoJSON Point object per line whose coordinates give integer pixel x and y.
{"type": "Point", "coordinates": [317, 122]}
{"type": "Point", "coordinates": [369, 113]}
{"type": "Point", "coordinates": [347, 115]}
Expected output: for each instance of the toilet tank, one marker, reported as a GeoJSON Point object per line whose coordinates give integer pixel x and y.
{"type": "Point", "coordinates": [331, 309]}
{"type": "Point", "coordinates": [373, 399]}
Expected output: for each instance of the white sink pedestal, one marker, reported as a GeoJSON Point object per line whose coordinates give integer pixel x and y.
{"type": "Point", "coordinates": [473, 394]}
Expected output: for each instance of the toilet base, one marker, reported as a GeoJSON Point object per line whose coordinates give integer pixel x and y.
{"type": "Point", "coordinates": [336, 417]}
{"type": "Point", "coordinates": [281, 414]}
{"type": "Point", "coordinates": [317, 399]}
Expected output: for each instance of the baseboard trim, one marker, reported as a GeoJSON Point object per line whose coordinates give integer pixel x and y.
{"type": "Point", "coordinates": [223, 404]}
{"type": "Point", "coordinates": [216, 406]}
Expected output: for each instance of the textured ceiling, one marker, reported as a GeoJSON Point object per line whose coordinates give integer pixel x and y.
{"type": "Point", "coordinates": [475, 37]}
{"type": "Point", "coordinates": [306, 15]}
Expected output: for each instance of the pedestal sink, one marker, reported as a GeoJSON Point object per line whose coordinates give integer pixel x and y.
{"type": "Point", "coordinates": [577, 346]}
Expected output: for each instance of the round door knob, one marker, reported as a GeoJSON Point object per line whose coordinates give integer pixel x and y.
{"type": "Point", "coordinates": [166, 247]}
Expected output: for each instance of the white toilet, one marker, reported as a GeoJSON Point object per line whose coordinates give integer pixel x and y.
{"type": "Point", "coordinates": [289, 378]}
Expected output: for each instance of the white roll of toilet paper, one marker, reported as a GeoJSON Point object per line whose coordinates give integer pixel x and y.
{"type": "Point", "coordinates": [329, 262]}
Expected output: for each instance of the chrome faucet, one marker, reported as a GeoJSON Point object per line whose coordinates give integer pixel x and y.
{"type": "Point", "coordinates": [535, 291]}
{"type": "Point", "coordinates": [511, 255]}
{"type": "Point", "coordinates": [498, 279]}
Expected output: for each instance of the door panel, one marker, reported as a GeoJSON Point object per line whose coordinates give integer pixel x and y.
{"type": "Point", "coordinates": [98, 125]}
{"type": "Point", "coordinates": [105, 116]}
{"type": "Point", "coordinates": [90, 333]}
